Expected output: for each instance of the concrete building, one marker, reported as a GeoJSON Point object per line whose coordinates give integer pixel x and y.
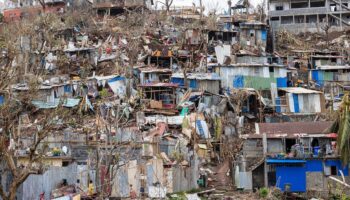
{"type": "Point", "coordinates": [308, 15]}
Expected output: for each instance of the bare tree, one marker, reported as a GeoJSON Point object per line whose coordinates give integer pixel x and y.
{"type": "Point", "coordinates": [17, 57]}
{"type": "Point", "coordinates": [168, 4]}
{"type": "Point", "coordinates": [43, 4]}
{"type": "Point", "coordinates": [326, 27]}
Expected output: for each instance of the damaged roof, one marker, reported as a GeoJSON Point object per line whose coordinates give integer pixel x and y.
{"type": "Point", "coordinates": [292, 129]}
{"type": "Point", "coordinates": [154, 70]}
{"type": "Point", "coordinates": [299, 90]}
{"type": "Point", "coordinates": [159, 85]}
{"type": "Point", "coordinates": [198, 76]}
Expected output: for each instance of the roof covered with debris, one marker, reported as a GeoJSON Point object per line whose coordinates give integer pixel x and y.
{"type": "Point", "coordinates": [292, 128]}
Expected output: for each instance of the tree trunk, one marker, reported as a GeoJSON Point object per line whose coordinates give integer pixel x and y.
{"type": "Point", "coordinates": [12, 193]}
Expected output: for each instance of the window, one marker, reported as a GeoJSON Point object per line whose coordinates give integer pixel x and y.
{"type": "Point", "coordinates": [334, 171]}
{"type": "Point", "coordinates": [311, 19]}
{"type": "Point", "coordinates": [275, 18]}
{"type": "Point", "coordinates": [279, 7]}
{"type": "Point", "coordinates": [271, 69]}
{"type": "Point", "coordinates": [317, 3]}
{"type": "Point", "coordinates": [299, 19]}
{"type": "Point", "coordinates": [287, 20]}
{"type": "Point", "coordinates": [289, 144]}
{"type": "Point", "coordinates": [301, 4]}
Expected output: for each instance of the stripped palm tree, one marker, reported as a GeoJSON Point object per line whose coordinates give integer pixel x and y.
{"type": "Point", "coordinates": [341, 126]}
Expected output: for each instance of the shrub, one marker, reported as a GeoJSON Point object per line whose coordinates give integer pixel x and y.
{"type": "Point", "coordinates": [263, 192]}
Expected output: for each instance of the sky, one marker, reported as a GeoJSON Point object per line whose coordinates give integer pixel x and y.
{"type": "Point", "coordinates": [209, 4]}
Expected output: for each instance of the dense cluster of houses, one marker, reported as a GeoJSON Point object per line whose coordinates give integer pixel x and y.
{"type": "Point", "coordinates": [197, 97]}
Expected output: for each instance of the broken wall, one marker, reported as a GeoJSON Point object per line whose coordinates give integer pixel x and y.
{"type": "Point", "coordinates": [38, 183]}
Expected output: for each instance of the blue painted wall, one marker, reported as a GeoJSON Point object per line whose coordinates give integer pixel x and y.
{"type": "Point", "coordinates": [282, 82]}
{"type": "Point", "coordinates": [296, 103]}
{"type": "Point", "coordinates": [179, 81]}
{"type": "Point", "coordinates": [293, 175]}
{"type": "Point", "coordinates": [193, 83]}
{"type": "Point", "coordinates": [278, 105]}
{"type": "Point", "coordinates": [314, 165]}
{"type": "Point", "coordinates": [318, 77]}
{"type": "Point", "coordinates": [296, 175]}
{"type": "Point", "coordinates": [339, 166]}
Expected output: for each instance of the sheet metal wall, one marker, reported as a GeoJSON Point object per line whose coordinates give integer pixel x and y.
{"type": "Point", "coordinates": [36, 184]}
{"type": "Point", "coordinates": [252, 77]}
{"type": "Point", "coordinates": [304, 103]}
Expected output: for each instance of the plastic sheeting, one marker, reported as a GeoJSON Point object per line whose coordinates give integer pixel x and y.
{"type": "Point", "coordinates": [202, 129]}
{"type": "Point", "coordinates": [222, 52]}
{"type": "Point", "coordinates": [117, 84]}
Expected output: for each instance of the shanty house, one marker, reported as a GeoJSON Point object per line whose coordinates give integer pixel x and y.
{"type": "Point", "coordinates": [226, 37]}
{"type": "Point", "coordinates": [154, 75]}
{"type": "Point", "coordinates": [209, 82]}
{"type": "Point", "coordinates": [328, 77]}
{"type": "Point", "coordinates": [300, 156]}
{"type": "Point", "coordinates": [159, 97]}
{"type": "Point", "coordinates": [50, 95]}
{"type": "Point", "coordinates": [253, 34]}
{"type": "Point", "coordinates": [299, 100]}
{"type": "Point", "coordinates": [257, 76]}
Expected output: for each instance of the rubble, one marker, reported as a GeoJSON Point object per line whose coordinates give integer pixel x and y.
{"type": "Point", "coordinates": [121, 100]}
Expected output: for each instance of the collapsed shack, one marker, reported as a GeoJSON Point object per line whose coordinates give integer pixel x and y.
{"type": "Point", "coordinates": [159, 98]}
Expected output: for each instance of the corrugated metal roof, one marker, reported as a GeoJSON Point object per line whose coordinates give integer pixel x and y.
{"type": "Point", "coordinates": [154, 69]}
{"type": "Point", "coordinates": [198, 76]}
{"type": "Point", "coordinates": [291, 128]}
{"type": "Point", "coordinates": [299, 90]}
{"type": "Point", "coordinates": [332, 67]}
{"type": "Point", "coordinates": [159, 85]}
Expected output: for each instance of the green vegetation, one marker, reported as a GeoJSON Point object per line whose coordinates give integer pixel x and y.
{"type": "Point", "coordinates": [341, 126]}
{"type": "Point", "coordinates": [263, 192]}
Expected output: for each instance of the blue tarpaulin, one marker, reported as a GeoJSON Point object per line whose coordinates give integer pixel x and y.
{"type": "Point", "coordinates": [117, 78]}
{"type": "Point", "coordinates": [238, 82]}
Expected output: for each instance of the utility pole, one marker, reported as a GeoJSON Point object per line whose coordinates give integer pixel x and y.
{"type": "Point", "coordinates": [201, 7]}
{"type": "Point", "coordinates": [265, 164]}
